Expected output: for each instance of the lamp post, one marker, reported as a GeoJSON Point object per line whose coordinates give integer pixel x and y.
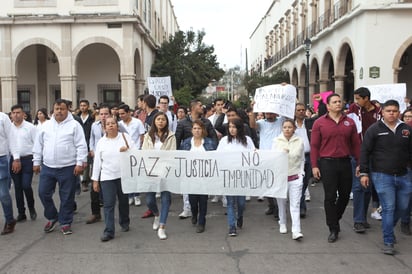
{"type": "Point", "coordinates": [307, 45]}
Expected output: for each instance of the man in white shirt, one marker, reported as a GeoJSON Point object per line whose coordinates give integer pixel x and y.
{"type": "Point", "coordinates": [21, 162]}
{"type": "Point", "coordinates": [164, 107]}
{"type": "Point", "coordinates": [61, 150]}
{"type": "Point", "coordinates": [136, 130]}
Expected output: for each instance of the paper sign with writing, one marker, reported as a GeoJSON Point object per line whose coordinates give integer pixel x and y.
{"type": "Point", "coordinates": [280, 99]}
{"type": "Point", "coordinates": [383, 93]}
{"type": "Point", "coordinates": [251, 173]}
{"type": "Point", "coordinates": [159, 86]}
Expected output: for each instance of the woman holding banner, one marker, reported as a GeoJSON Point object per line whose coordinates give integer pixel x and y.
{"type": "Point", "coordinates": [198, 143]}
{"type": "Point", "coordinates": [235, 140]}
{"type": "Point", "coordinates": [289, 142]}
{"type": "Point", "coordinates": [159, 137]}
{"type": "Point", "coordinates": [106, 168]}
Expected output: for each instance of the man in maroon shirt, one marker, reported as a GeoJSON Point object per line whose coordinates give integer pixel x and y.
{"type": "Point", "coordinates": [334, 139]}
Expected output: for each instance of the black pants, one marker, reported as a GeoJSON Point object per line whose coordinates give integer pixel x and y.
{"type": "Point", "coordinates": [95, 202]}
{"type": "Point", "coordinates": [336, 177]}
{"type": "Point", "coordinates": [198, 205]}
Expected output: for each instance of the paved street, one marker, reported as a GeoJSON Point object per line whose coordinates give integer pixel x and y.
{"type": "Point", "coordinates": [259, 248]}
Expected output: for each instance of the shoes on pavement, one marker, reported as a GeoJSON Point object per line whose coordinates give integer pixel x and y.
{"type": "Point", "coordinates": [185, 214]}
{"type": "Point", "coordinates": [247, 198]}
{"type": "Point", "coordinates": [21, 218]}
{"type": "Point", "coordinates": [9, 227]}
{"type": "Point", "coordinates": [405, 229]}
{"type": "Point", "coordinates": [125, 229]}
{"type": "Point", "coordinates": [351, 196]}
{"type": "Point", "coordinates": [85, 186]}
{"type": "Point", "coordinates": [137, 201]}
{"type": "Point", "coordinates": [283, 229]}
{"type": "Point", "coordinates": [260, 199]}
{"type": "Point", "coordinates": [93, 219]}
{"type": "Point", "coordinates": [148, 213]}
{"type": "Point", "coordinates": [161, 233]}
{"type": "Point", "coordinates": [307, 195]}
{"type": "Point", "coordinates": [376, 215]}
{"type": "Point", "coordinates": [224, 201]}
{"type": "Point", "coordinates": [333, 237]}
{"type": "Point", "coordinates": [303, 213]}
{"type": "Point", "coordinates": [240, 222]}
{"type": "Point", "coordinates": [200, 229]}
{"type": "Point", "coordinates": [33, 214]}
{"type": "Point", "coordinates": [131, 200]}
{"type": "Point", "coordinates": [156, 222]}
{"type": "Point", "coordinates": [359, 228]}
{"type": "Point", "coordinates": [388, 249]}
{"type": "Point", "coordinates": [215, 199]}
{"type": "Point", "coordinates": [232, 232]}
{"type": "Point", "coordinates": [50, 226]}
{"type": "Point", "coordinates": [106, 238]}
{"type": "Point", "coordinates": [366, 225]}
{"type": "Point", "coordinates": [194, 220]}
{"type": "Point", "coordinates": [297, 236]}
{"type": "Point", "coordinates": [269, 211]}
{"type": "Point", "coordinates": [66, 230]}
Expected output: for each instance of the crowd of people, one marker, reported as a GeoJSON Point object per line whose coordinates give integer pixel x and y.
{"type": "Point", "coordinates": [362, 152]}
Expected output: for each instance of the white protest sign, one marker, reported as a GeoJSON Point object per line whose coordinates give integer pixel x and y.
{"type": "Point", "coordinates": [251, 173]}
{"type": "Point", "coordinates": [280, 99]}
{"type": "Point", "coordinates": [383, 93]}
{"type": "Point", "coordinates": [159, 86]}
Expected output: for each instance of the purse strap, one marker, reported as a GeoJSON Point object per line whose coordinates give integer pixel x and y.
{"type": "Point", "coordinates": [124, 138]}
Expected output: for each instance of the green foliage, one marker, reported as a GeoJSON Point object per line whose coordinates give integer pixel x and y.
{"type": "Point", "coordinates": [188, 61]}
{"type": "Point", "coordinates": [242, 102]}
{"type": "Point", "coordinates": [254, 81]}
{"type": "Point", "coordinates": [183, 96]}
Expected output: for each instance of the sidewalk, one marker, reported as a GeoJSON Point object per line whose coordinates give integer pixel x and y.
{"type": "Point", "coordinates": [258, 248]}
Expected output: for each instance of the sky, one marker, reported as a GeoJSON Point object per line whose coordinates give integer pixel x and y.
{"type": "Point", "coordinates": [228, 25]}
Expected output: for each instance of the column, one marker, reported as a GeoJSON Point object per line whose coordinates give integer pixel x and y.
{"type": "Point", "coordinates": [339, 84]}
{"type": "Point", "coordinates": [8, 92]}
{"type": "Point", "coordinates": [301, 94]}
{"type": "Point", "coordinates": [128, 89]}
{"type": "Point", "coordinates": [140, 84]}
{"type": "Point", "coordinates": [311, 92]}
{"type": "Point", "coordinates": [127, 71]}
{"type": "Point", "coordinates": [323, 85]}
{"type": "Point", "coordinates": [68, 88]}
{"type": "Point", "coordinates": [68, 81]}
{"type": "Point", "coordinates": [7, 75]}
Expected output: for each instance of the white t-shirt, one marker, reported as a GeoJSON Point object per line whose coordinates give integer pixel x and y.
{"type": "Point", "coordinates": [235, 145]}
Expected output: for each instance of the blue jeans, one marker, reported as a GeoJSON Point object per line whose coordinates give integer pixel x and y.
{"type": "Point", "coordinates": [232, 201]}
{"type": "Point", "coordinates": [394, 194]}
{"type": "Point", "coordinates": [5, 197]}
{"type": "Point", "coordinates": [110, 190]}
{"type": "Point", "coordinates": [165, 198]}
{"type": "Point", "coordinates": [308, 175]}
{"type": "Point", "coordinates": [67, 186]}
{"type": "Point", "coordinates": [406, 219]}
{"type": "Point", "coordinates": [361, 197]}
{"type": "Point", "coordinates": [22, 184]}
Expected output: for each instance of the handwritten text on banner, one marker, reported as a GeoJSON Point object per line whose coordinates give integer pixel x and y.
{"type": "Point", "coordinates": [280, 99]}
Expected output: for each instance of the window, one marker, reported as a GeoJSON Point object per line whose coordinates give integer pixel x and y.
{"type": "Point", "coordinates": [111, 96]}
{"type": "Point", "coordinates": [23, 98]}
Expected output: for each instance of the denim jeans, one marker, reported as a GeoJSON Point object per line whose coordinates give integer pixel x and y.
{"type": "Point", "coordinates": [5, 197]}
{"type": "Point", "coordinates": [394, 195]}
{"type": "Point", "coordinates": [232, 202]}
{"type": "Point", "coordinates": [67, 186]}
{"type": "Point", "coordinates": [22, 184]}
{"type": "Point", "coordinates": [406, 218]}
{"type": "Point", "coordinates": [198, 205]}
{"type": "Point", "coordinates": [110, 190]}
{"type": "Point", "coordinates": [166, 199]}
{"type": "Point", "coordinates": [308, 175]}
{"type": "Point", "coordinates": [361, 197]}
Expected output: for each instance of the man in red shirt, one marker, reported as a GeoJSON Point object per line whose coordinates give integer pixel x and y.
{"type": "Point", "coordinates": [334, 139]}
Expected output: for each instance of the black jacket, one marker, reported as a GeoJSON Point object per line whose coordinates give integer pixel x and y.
{"type": "Point", "coordinates": [389, 152]}
{"type": "Point", "coordinates": [87, 125]}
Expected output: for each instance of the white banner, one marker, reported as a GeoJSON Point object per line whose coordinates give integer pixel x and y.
{"type": "Point", "coordinates": [159, 86]}
{"type": "Point", "coordinates": [383, 93]}
{"type": "Point", "coordinates": [249, 173]}
{"type": "Point", "coordinates": [280, 99]}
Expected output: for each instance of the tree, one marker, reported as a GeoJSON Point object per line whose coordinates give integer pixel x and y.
{"type": "Point", "coordinates": [255, 81]}
{"type": "Point", "coordinates": [188, 61]}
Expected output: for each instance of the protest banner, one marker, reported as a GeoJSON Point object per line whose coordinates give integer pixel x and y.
{"type": "Point", "coordinates": [280, 99]}
{"type": "Point", "coordinates": [159, 86]}
{"type": "Point", "coordinates": [251, 173]}
{"type": "Point", "coordinates": [383, 93]}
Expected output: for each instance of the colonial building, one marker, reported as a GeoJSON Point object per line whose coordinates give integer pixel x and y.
{"type": "Point", "coordinates": [101, 50]}
{"type": "Point", "coordinates": [353, 43]}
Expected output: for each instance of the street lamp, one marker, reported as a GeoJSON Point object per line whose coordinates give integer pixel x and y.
{"type": "Point", "coordinates": [307, 45]}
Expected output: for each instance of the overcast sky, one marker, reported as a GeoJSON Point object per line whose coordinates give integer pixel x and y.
{"type": "Point", "coordinates": [228, 24]}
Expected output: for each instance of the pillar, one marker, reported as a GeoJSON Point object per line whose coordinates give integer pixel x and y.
{"type": "Point", "coordinates": [128, 89]}
{"type": "Point", "coordinates": [339, 85]}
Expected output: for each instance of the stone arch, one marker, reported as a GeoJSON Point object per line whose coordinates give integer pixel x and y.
{"type": "Point", "coordinates": [30, 42]}
{"type": "Point", "coordinates": [314, 74]}
{"type": "Point", "coordinates": [398, 56]}
{"type": "Point", "coordinates": [344, 69]}
{"type": "Point", "coordinates": [294, 80]}
{"type": "Point", "coordinates": [97, 40]}
{"type": "Point", "coordinates": [327, 72]}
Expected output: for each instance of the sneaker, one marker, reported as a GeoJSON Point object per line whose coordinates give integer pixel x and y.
{"type": "Point", "coordinates": [156, 223]}
{"type": "Point", "coordinates": [260, 199]}
{"type": "Point", "coordinates": [93, 219]}
{"type": "Point", "coordinates": [388, 249]}
{"type": "Point", "coordinates": [283, 229]}
{"type": "Point", "coordinates": [185, 214]}
{"type": "Point", "coordinates": [224, 201]}
{"type": "Point", "coordinates": [307, 195]}
{"type": "Point", "coordinates": [232, 232]}
{"type": "Point", "coordinates": [148, 213]}
{"type": "Point", "coordinates": [312, 181]}
{"type": "Point", "coordinates": [379, 209]}
{"type": "Point", "coordinates": [297, 236]}
{"type": "Point", "coordinates": [131, 200]}
{"type": "Point", "coordinates": [137, 201]}
{"type": "Point", "coordinates": [359, 228]}
{"type": "Point", "coordinates": [9, 227]}
{"type": "Point", "coordinates": [33, 214]}
{"type": "Point", "coordinates": [157, 194]}
{"type": "Point", "coordinates": [50, 226]}
{"type": "Point", "coordinates": [351, 196]}
{"type": "Point", "coordinates": [366, 225]}
{"type": "Point", "coordinates": [376, 215]}
{"type": "Point", "coordinates": [66, 230]}
{"type": "Point", "coordinates": [21, 218]}
{"type": "Point", "coordinates": [240, 222]}
{"type": "Point", "coordinates": [405, 229]}
{"type": "Point", "coordinates": [161, 233]}
{"type": "Point", "coordinates": [85, 186]}
{"type": "Point", "coordinates": [200, 229]}
{"type": "Point", "coordinates": [247, 198]}
{"type": "Point", "coordinates": [215, 199]}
